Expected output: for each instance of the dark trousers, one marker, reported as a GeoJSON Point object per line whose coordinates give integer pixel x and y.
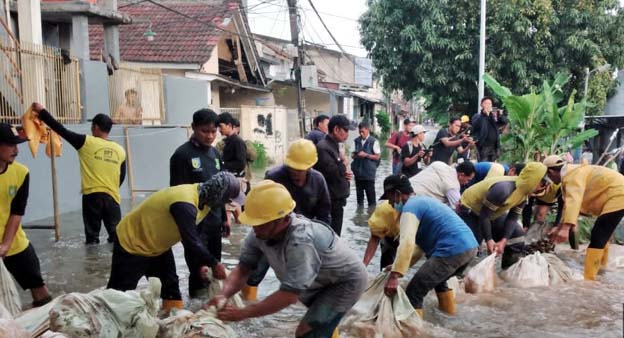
{"type": "Point", "coordinates": [127, 269]}
{"type": "Point", "coordinates": [210, 233]}
{"type": "Point", "coordinates": [337, 212]}
{"type": "Point", "coordinates": [388, 251]}
{"type": "Point", "coordinates": [603, 229]}
{"type": "Point", "coordinates": [24, 267]}
{"type": "Point", "coordinates": [434, 273]}
{"type": "Point", "coordinates": [488, 153]}
{"type": "Point", "coordinates": [97, 208]}
{"type": "Point", "coordinates": [367, 186]}
{"type": "Point", "coordinates": [258, 274]}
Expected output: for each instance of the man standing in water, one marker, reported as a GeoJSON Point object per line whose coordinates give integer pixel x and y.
{"type": "Point", "coordinates": [312, 263]}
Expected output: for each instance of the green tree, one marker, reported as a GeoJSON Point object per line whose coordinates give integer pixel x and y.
{"type": "Point", "coordinates": [432, 45]}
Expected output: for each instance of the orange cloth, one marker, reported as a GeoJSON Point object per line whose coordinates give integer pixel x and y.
{"type": "Point", "coordinates": [36, 132]}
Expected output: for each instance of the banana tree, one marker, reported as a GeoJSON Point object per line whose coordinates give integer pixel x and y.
{"type": "Point", "coordinates": [538, 122]}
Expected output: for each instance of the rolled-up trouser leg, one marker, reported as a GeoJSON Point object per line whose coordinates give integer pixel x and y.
{"type": "Point", "coordinates": [434, 274]}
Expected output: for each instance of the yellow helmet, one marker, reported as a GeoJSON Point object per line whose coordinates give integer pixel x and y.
{"type": "Point", "coordinates": [267, 201]}
{"type": "Point", "coordinates": [465, 119]}
{"type": "Point", "coordinates": [301, 155]}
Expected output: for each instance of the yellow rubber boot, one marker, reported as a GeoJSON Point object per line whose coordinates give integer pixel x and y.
{"type": "Point", "coordinates": [169, 304]}
{"type": "Point", "coordinates": [336, 334]}
{"type": "Point", "coordinates": [605, 256]}
{"type": "Point", "coordinates": [446, 301]}
{"type": "Point", "coordinates": [419, 312]}
{"type": "Point", "coordinates": [592, 263]}
{"type": "Point", "coordinates": [250, 293]}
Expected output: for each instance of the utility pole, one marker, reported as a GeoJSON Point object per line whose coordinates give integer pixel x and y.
{"type": "Point", "coordinates": [482, 52]}
{"type": "Point", "coordinates": [294, 37]}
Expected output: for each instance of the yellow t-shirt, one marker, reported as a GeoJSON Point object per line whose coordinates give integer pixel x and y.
{"type": "Point", "coordinates": [150, 229]}
{"type": "Point", "coordinates": [100, 162]}
{"type": "Point", "coordinates": [10, 182]}
{"type": "Point", "coordinates": [384, 222]}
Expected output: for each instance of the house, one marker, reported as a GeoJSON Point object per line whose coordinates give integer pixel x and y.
{"type": "Point", "coordinates": [207, 41]}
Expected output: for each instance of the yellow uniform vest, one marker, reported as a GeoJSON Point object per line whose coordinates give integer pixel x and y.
{"type": "Point", "coordinates": [384, 222]}
{"type": "Point", "coordinates": [150, 229]}
{"type": "Point", "coordinates": [10, 182]}
{"type": "Point", "coordinates": [550, 196]}
{"type": "Point", "coordinates": [100, 162]}
{"type": "Point", "coordinates": [591, 190]}
{"type": "Point", "coordinates": [526, 183]}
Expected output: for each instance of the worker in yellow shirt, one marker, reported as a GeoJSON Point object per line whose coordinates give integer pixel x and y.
{"type": "Point", "coordinates": [146, 234]}
{"type": "Point", "coordinates": [494, 197]}
{"type": "Point", "coordinates": [102, 171]}
{"type": "Point", "coordinates": [16, 252]}
{"type": "Point", "coordinates": [384, 228]}
{"type": "Point", "coordinates": [589, 190]}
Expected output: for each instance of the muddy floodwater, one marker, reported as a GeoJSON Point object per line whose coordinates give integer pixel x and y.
{"type": "Point", "coordinates": [577, 309]}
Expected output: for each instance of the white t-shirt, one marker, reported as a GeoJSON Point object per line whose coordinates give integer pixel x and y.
{"type": "Point", "coordinates": [439, 181]}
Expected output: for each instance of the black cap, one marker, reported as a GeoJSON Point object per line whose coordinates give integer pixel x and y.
{"type": "Point", "coordinates": [9, 135]}
{"type": "Point", "coordinates": [398, 182]}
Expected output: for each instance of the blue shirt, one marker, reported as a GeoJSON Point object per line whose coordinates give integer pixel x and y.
{"type": "Point", "coordinates": [442, 233]}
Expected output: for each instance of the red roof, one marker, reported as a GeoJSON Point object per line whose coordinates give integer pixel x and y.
{"type": "Point", "coordinates": [178, 39]}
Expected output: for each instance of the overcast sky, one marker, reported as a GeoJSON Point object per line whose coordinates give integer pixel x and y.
{"type": "Point", "coordinates": [270, 17]}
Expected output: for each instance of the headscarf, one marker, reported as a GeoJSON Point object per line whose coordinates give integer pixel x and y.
{"type": "Point", "coordinates": [218, 190]}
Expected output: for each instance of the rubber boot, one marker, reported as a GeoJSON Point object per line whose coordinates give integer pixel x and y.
{"type": "Point", "coordinates": [419, 312]}
{"type": "Point", "coordinates": [592, 263]}
{"type": "Point", "coordinates": [336, 334]}
{"type": "Point", "coordinates": [250, 293]}
{"type": "Point", "coordinates": [169, 304]}
{"type": "Point", "coordinates": [605, 256]}
{"type": "Point", "coordinates": [446, 301]}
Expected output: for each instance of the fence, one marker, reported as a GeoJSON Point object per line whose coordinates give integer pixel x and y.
{"type": "Point", "coordinates": [136, 96]}
{"type": "Point", "coordinates": [32, 72]}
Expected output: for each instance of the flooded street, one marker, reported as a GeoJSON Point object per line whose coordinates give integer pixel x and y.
{"type": "Point", "coordinates": [576, 309]}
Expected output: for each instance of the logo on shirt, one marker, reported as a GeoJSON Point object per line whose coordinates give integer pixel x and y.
{"type": "Point", "coordinates": [217, 164]}
{"type": "Point", "coordinates": [12, 190]}
{"type": "Point", "coordinates": [107, 155]}
{"type": "Point", "coordinates": [196, 163]}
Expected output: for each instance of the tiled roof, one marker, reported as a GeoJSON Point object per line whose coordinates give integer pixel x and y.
{"type": "Point", "coordinates": [178, 39]}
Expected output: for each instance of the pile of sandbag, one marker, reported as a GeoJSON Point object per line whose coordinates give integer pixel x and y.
{"type": "Point", "coordinates": [8, 326]}
{"type": "Point", "coordinates": [9, 297]}
{"type": "Point", "coordinates": [482, 277]}
{"type": "Point", "coordinates": [377, 315]}
{"type": "Point", "coordinates": [202, 324]}
{"type": "Point", "coordinates": [558, 271]}
{"type": "Point", "coordinates": [108, 313]}
{"type": "Point", "coordinates": [36, 320]}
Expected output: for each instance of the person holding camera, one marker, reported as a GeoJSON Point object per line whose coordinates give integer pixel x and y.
{"type": "Point", "coordinates": [486, 133]}
{"type": "Point", "coordinates": [414, 153]}
{"type": "Point", "coordinates": [448, 140]}
{"type": "Point", "coordinates": [397, 141]}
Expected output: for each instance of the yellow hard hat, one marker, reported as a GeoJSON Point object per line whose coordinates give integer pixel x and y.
{"type": "Point", "coordinates": [267, 201]}
{"type": "Point", "coordinates": [464, 119]}
{"type": "Point", "coordinates": [301, 155]}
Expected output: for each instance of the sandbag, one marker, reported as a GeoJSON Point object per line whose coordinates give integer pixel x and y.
{"type": "Point", "coordinates": [108, 313]}
{"type": "Point", "coordinates": [203, 324]}
{"type": "Point", "coordinates": [36, 320]}
{"type": "Point", "coordinates": [529, 271]}
{"type": "Point", "coordinates": [50, 334]}
{"type": "Point", "coordinates": [558, 271]}
{"type": "Point", "coordinates": [4, 313]}
{"type": "Point", "coordinates": [216, 285]}
{"type": "Point", "coordinates": [377, 315]}
{"type": "Point", "coordinates": [482, 277]}
{"type": "Point", "coordinates": [9, 296]}
{"type": "Point", "coordinates": [9, 328]}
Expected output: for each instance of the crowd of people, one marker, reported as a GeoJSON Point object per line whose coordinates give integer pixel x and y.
{"type": "Point", "coordinates": [448, 213]}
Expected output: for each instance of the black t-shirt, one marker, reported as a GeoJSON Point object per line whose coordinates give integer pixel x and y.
{"type": "Point", "coordinates": [405, 153]}
{"type": "Point", "coordinates": [440, 151]}
{"type": "Point", "coordinates": [191, 163]}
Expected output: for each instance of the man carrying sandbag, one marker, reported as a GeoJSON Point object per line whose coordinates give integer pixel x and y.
{"type": "Point", "coordinates": [384, 229]}
{"type": "Point", "coordinates": [306, 186]}
{"type": "Point", "coordinates": [430, 227]}
{"type": "Point", "coordinates": [590, 190]}
{"type": "Point", "coordinates": [485, 202]}
{"type": "Point", "coordinates": [145, 235]}
{"type": "Point", "coordinates": [102, 171]}
{"type": "Point", "coordinates": [16, 251]}
{"type": "Point", "coordinates": [311, 262]}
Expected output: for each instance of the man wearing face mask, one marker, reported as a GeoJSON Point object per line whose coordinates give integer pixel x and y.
{"type": "Point", "coordinates": [431, 228]}
{"type": "Point", "coordinates": [492, 198]}
{"type": "Point", "coordinates": [146, 235]}
{"type": "Point", "coordinates": [306, 186]}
